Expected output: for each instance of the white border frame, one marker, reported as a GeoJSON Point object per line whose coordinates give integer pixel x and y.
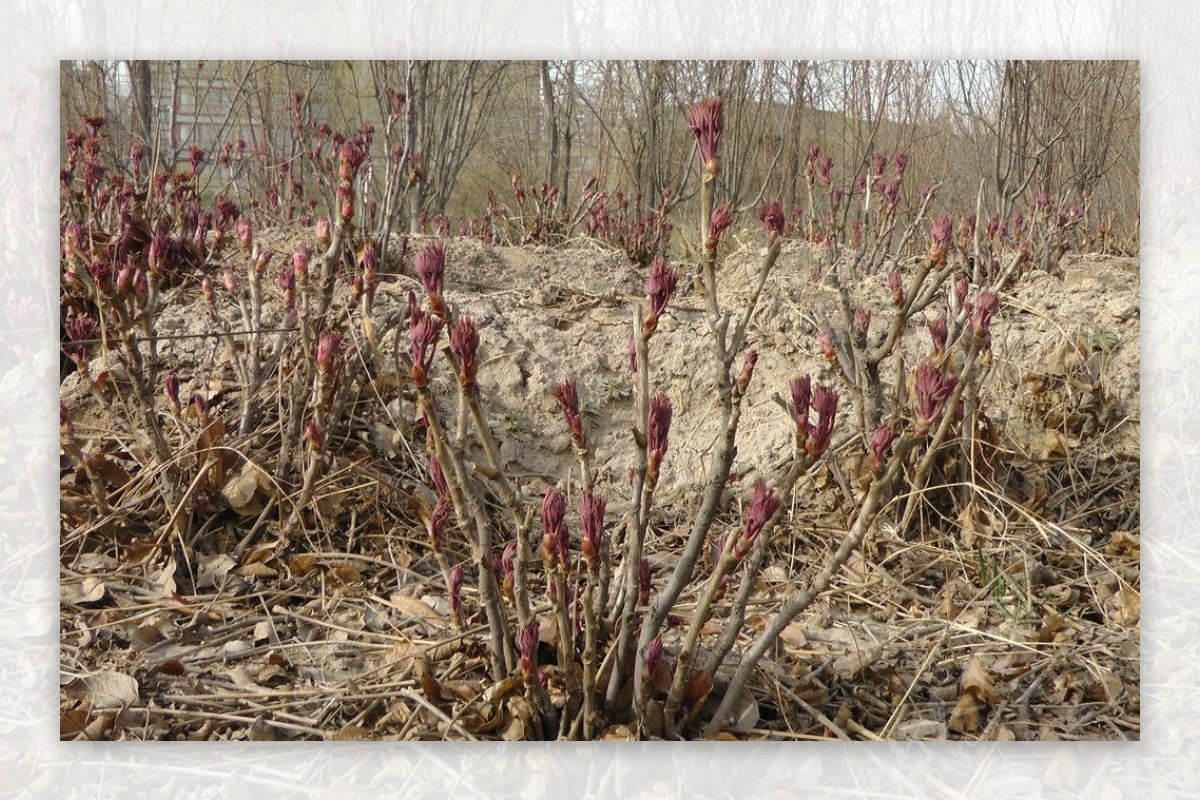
{"type": "Point", "coordinates": [1161, 33]}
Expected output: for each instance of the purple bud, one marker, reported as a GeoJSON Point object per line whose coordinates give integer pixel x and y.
{"type": "Point", "coordinates": [933, 388]}
{"type": "Point", "coordinates": [658, 429]}
{"type": "Point", "coordinates": [896, 285]}
{"type": "Point", "coordinates": [554, 526]}
{"type": "Point", "coordinates": [464, 344]}
{"type": "Point", "coordinates": [328, 345]}
{"type": "Point", "coordinates": [430, 266]}
{"type": "Point", "coordinates": [747, 373]}
{"type": "Point", "coordinates": [881, 444]}
{"type": "Point", "coordinates": [314, 435]}
{"type": "Point", "coordinates": [801, 400]}
{"type": "Point", "coordinates": [527, 642]}
{"type": "Point", "coordinates": [773, 219]}
{"type": "Point", "coordinates": [172, 387]}
{"type": "Point", "coordinates": [654, 652]}
{"type": "Point", "coordinates": [300, 259]}
{"type": "Point", "coordinates": [707, 121]}
{"type": "Point", "coordinates": [763, 505]}
{"type": "Point", "coordinates": [986, 306]}
{"type": "Point", "coordinates": [720, 219]}
{"type": "Point", "coordinates": [245, 233]}
{"type": "Point", "coordinates": [568, 401]}
{"type": "Point", "coordinates": [938, 332]}
{"type": "Point", "coordinates": [437, 522]}
{"type": "Point", "coordinates": [659, 288]}
{"type": "Point", "coordinates": [591, 520]}
{"type": "Point", "coordinates": [438, 479]}
{"type": "Point", "coordinates": [824, 403]}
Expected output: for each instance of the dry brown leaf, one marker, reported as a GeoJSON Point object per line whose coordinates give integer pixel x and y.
{"type": "Point", "coordinates": [263, 732]}
{"type": "Point", "coordinates": [89, 590]}
{"type": "Point", "coordinates": [213, 570]}
{"type": "Point", "coordinates": [518, 723]}
{"type": "Point", "coordinates": [272, 676]}
{"type": "Point", "coordinates": [73, 723]}
{"type": "Point", "coordinates": [351, 732]}
{"type": "Point", "coordinates": [917, 729]}
{"type": "Point", "coordinates": [793, 634]}
{"type": "Point", "coordinates": [414, 607]}
{"type": "Point", "coordinates": [501, 689]}
{"type": "Point", "coordinates": [974, 524]}
{"type": "Point", "coordinates": [697, 689]}
{"type": "Point", "coordinates": [620, 732]}
{"type": "Point", "coordinates": [1052, 624]}
{"type": "Point", "coordinates": [171, 667]}
{"type": "Point", "coordinates": [964, 718]}
{"type": "Point", "coordinates": [848, 666]}
{"type": "Point", "coordinates": [103, 690]}
{"type": "Point", "coordinates": [1127, 606]}
{"type": "Point", "coordinates": [1124, 543]}
{"type": "Point", "coordinates": [256, 570]}
{"type": "Point", "coordinates": [487, 719]}
{"type": "Point", "coordinates": [240, 489]}
{"type": "Point", "coordinates": [975, 680]}
{"type": "Point", "coordinates": [145, 636]}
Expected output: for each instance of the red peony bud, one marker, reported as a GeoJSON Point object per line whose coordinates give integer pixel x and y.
{"type": "Point", "coordinates": [938, 332]}
{"type": "Point", "coordinates": [986, 306]}
{"type": "Point", "coordinates": [591, 520]}
{"type": "Point", "coordinates": [328, 345]}
{"type": "Point", "coordinates": [554, 525]}
{"type": "Point", "coordinates": [659, 288]}
{"type": "Point", "coordinates": [881, 444]}
{"type": "Point", "coordinates": [658, 430]}
{"type": "Point", "coordinates": [773, 219]}
{"type": "Point", "coordinates": [763, 505]}
{"type": "Point", "coordinates": [824, 403]}
{"type": "Point", "coordinates": [431, 269]}
{"type": "Point", "coordinates": [721, 218]}
{"type": "Point", "coordinates": [464, 344]}
{"type": "Point", "coordinates": [654, 652]}
{"type": "Point", "coordinates": [172, 388]}
{"type": "Point", "coordinates": [707, 121]}
{"type": "Point", "coordinates": [527, 643]}
{"type": "Point", "coordinates": [801, 400]}
{"type": "Point", "coordinates": [933, 389]}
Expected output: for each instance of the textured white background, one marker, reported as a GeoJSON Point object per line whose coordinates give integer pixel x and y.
{"type": "Point", "coordinates": [1163, 35]}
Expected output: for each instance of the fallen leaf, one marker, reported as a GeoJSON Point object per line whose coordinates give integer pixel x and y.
{"type": "Point", "coordinates": [975, 680]}
{"type": "Point", "coordinates": [964, 718]}
{"type": "Point", "coordinates": [1127, 606]}
{"type": "Point", "coordinates": [89, 590]}
{"type": "Point", "coordinates": [697, 688]}
{"type": "Point", "coordinates": [351, 732]}
{"type": "Point", "coordinates": [793, 634]}
{"type": "Point", "coordinates": [921, 730]}
{"type": "Point", "coordinates": [414, 607]}
{"type": "Point", "coordinates": [851, 664]}
{"type": "Point", "coordinates": [256, 570]}
{"type": "Point", "coordinates": [103, 690]}
{"type": "Point", "coordinates": [213, 570]}
{"type": "Point", "coordinates": [240, 489]}
{"type": "Point", "coordinates": [263, 732]}
{"type": "Point", "coordinates": [171, 667]}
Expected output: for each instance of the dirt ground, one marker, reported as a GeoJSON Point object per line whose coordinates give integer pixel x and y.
{"type": "Point", "coordinates": [1002, 626]}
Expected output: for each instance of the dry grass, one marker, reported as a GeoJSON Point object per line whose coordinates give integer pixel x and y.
{"type": "Point", "coordinates": [1016, 618]}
